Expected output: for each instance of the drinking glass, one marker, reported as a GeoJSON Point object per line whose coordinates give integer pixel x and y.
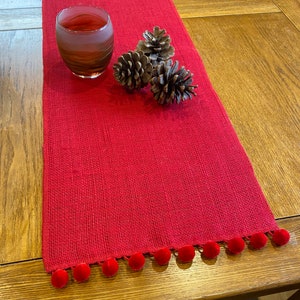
{"type": "Point", "coordinates": [85, 39]}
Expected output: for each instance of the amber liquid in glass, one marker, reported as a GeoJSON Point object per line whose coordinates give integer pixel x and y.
{"type": "Point", "coordinates": [84, 22]}
{"type": "Point", "coordinates": [85, 42]}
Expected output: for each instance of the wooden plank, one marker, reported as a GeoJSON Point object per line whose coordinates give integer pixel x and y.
{"type": "Point", "coordinates": [21, 144]}
{"type": "Point", "coordinates": [207, 8]}
{"type": "Point", "coordinates": [253, 63]}
{"type": "Point", "coordinates": [25, 18]}
{"type": "Point", "coordinates": [291, 8]}
{"type": "Point", "coordinates": [250, 273]}
{"type": "Point", "coordinates": [6, 4]}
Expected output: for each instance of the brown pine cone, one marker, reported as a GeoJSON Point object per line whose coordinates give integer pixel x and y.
{"type": "Point", "coordinates": [156, 45]}
{"type": "Point", "coordinates": [133, 70]}
{"type": "Point", "coordinates": [170, 85]}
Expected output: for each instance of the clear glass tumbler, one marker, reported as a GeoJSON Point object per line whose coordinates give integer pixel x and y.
{"type": "Point", "coordinates": [85, 39]}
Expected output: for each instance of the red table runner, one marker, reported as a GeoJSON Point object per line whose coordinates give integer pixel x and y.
{"type": "Point", "coordinates": [123, 174]}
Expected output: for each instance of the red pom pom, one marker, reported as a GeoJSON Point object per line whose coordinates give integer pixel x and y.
{"type": "Point", "coordinates": [236, 245]}
{"type": "Point", "coordinates": [81, 272]}
{"type": "Point", "coordinates": [110, 267]}
{"type": "Point", "coordinates": [162, 256]}
{"type": "Point", "coordinates": [59, 278]}
{"type": "Point", "coordinates": [281, 237]}
{"type": "Point", "coordinates": [258, 240]}
{"type": "Point", "coordinates": [211, 250]}
{"type": "Point", "coordinates": [137, 261]}
{"type": "Point", "coordinates": [186, 254]}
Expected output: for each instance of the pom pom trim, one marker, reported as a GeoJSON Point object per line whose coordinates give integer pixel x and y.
{"type": "Point", "coordinates": [59, 278]}
{"type": "Point", "coordinates": [211, 250]}
{"type": "Point", "coordinates": [136, 262]}
{"type": "Point", "coordinates": [258, 240]}
{"type": "Point", "coordinates": [185, 254]}
{"type": "Point", "coordinates": [162, 256]}
{"type": "Point", "coordinates": [236, 245]}
{"type": "Point", "coordinates": [280, 237]}
{"type": "Point", "coordinates": [110, 267]}
{"type": "Point", "coordinates": [81, 272]}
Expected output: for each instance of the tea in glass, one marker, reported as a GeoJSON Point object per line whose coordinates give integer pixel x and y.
{"type": "Point", "coordinates": [85, 40]}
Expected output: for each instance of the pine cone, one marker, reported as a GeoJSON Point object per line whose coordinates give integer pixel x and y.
{"type": "Point", "coordinates": [156, 45]}
{"type": "Point", "coordinates": [133, 70]}
{"type": "Point", "coordinates": [170, 85]}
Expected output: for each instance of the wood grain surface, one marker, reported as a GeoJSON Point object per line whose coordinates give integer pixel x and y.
{"type": "Point", "coordinates": [21, 144]}
{"type": "Point", "coordinates": [253, 63]}
{"type": "Point", "coordinates": [251, 52]}
{"type": "Point", "coordinates": [21, 19]}
{"type": "Point", "coordinates": [9, 4]}
{"type": "Point", "coordinates": [208, 8]}
{"type": "Point", "coordinates": [291, 9]}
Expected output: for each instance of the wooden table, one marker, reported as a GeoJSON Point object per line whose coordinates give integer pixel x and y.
{"type": "Point", "coordinates": [251, 49]}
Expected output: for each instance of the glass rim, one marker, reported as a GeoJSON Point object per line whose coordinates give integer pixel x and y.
{"type": "Point", "coordinates": [58, 23]}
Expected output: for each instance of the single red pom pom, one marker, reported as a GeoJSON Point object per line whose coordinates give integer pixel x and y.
{"type": "Point", "coordinates": [137, 261]}
{"type": "Point", "coordinates": [258, 240]}
{"type": "Point", "coordinates": [211, 250]}
{"type": "Point", "coordinates": [81, 272]}
{"type": "Point", "coordinates": [186, 254]}
{"type": "Point", "coordinates": [236, 245]}
{"type": "Point", "coordinates": [281, 237]}
{"type": "Point", "coordinates": [59, 278]}
{"type": "Point", "coordinates": [110, 267]}
{"type": "Point", "coordinates": [162, 256]}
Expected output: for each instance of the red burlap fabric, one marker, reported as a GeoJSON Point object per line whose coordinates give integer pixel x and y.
{"type": "Point", "coordinates": [123, 174]}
